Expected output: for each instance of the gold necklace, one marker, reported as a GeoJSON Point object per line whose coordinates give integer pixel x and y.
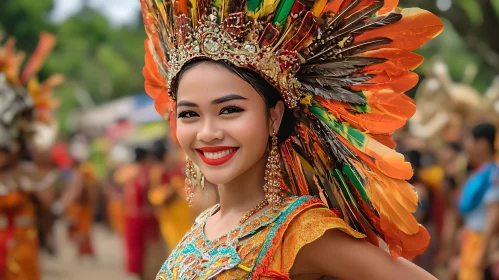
{"type": "Point", "coordinates": [253, 211]}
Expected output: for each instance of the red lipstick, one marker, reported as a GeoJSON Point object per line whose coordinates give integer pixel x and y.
{"type": "Point", "coordinates": [216, 161]}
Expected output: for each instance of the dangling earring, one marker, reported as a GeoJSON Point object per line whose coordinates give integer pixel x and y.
{"type": "Point", "coordinates": [273, 177]}
{"type": "Point", "coordinates": [193, 178]}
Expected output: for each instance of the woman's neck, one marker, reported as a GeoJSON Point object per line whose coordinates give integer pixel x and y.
{"type": "Point", "coordinates": [244, 192]}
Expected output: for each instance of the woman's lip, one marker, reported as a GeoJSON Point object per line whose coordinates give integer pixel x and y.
{"type": "Point", "coordinates": [218, 161]}
{"type": "Point", "coordinates": [215, 149]}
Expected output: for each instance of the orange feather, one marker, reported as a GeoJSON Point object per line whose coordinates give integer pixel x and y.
{"type": "Point", "coordinates": [372, 123]}
{"type": "Point", "coordinates": [391, 103]}
{"type": "Point", "coordinates": [401, 244]}
{"type": "Point", "coordinates": [401, 58]}
{"type": "Point", "coordinates": [180, 7]}
{"type": "Point", "coordinates": [163, 105]}
{"type": "Point", "coordinates": [388, 7]}
{"type": "Point", "coordinates": [403, 235]}
{"type": "Point", "coordinates": [386, 160]}
{"type": "Point", "coordinates": [45, 45]}
{"type": "Point", "coordinates": [416, 27]}
{"type": "Point", "coordinates": [385, 139]}
{"type": "Point", "coordinates": [383, 81]}
{"type": "Point", "coordinates": [154, 83]}
{"type": "Point", "coordinates": [294, 164]}
{"type": "Point", "coordinates": [332, 6]}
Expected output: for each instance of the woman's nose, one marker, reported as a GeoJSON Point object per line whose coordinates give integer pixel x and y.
{"type": "Point", "coordinates": [209, 132]}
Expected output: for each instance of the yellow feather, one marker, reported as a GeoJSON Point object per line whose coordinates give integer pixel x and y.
{"type": "Point", "coordinates": [386, 199]}
{"type": "Point", "coordinates": [318, 7]}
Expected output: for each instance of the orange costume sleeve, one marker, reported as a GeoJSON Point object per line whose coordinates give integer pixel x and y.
{"type": "Point", "coordinates": [304, 229]}
{"type": "Point", "coordinates": [305, 225]}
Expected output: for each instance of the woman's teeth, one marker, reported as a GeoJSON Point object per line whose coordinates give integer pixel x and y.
{"type": "Point", "coordinates": [220, 154]}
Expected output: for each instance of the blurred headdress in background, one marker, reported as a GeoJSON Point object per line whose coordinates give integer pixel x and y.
{"type": "Point", "coordinates": [26, 105]}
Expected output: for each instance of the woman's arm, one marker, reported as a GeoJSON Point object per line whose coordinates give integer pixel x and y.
{"type": "Point", "coordinates": [339, 255]}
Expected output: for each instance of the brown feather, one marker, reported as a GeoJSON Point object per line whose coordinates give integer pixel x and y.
{"type": "Point", "coordinates": [335, 21]}
{"type": "Point", "coordinates": [331, 81]}
{"type": "Point", "coordinates": [340, 67]}
{"type": "Point", "coordinates": [361, 47]}
{"type": "Point", "coordinates": [335, 93]}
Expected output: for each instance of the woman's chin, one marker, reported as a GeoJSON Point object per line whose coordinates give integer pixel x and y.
{"type": "Point", "coordinates": [218, 179]}
{"type": "Point", "coordinates": [219, 176]}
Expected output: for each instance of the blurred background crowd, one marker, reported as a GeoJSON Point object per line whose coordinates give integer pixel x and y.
{"type": "Point", "coordinates": [117, 206]}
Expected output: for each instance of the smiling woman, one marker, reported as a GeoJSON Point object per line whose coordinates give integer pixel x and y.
{"type": "Point", "coordinates": [289, 108]}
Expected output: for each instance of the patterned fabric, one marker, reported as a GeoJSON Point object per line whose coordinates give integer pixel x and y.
{"type": "Point", "coordinates": [18, 238]}
{"type": "Point", "coordinates": [264, 247]}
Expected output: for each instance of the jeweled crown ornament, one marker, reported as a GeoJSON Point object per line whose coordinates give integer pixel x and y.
{"type": "Point", "coordinates": [236, 40]}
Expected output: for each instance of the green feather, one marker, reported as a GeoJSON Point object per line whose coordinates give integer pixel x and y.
{"type": "Point", "coordinates": [219, 5]}
{"type": "Point", "coordinates": [361, 108]}
{"type": "Point", "coordinates": [282, 12]}
{"type": "Point", "coordinates": [352, 176]}
{"type": "Point", "coordinates": [253, 5]}
{"type": "Point", "coordinates": [352, 135]}
{"type": "Point", "coordinates": [343, 185]}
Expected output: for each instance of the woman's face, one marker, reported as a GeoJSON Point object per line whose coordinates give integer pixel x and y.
{"type": "Point", "coordinates": [222, 122]}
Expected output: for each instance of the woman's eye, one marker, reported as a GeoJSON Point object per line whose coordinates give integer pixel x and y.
{"type": "Point", "coordinates": [187, 114]}
{"type": "Point", "coordinates": [231, 110]}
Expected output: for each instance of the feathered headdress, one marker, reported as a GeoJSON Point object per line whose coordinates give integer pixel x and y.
{"type": "Point", "coordinates": [342, 66]}
{"type": "Point", "coordinates": [24, 102]}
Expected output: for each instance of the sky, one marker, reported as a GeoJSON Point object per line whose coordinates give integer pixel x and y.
{"type": "Point", "coordinates": [119, 12]}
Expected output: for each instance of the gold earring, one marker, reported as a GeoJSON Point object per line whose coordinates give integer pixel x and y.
{"type": "Point", "coordinates": [273, 176]}
{"type": "Point", "coordinates": [193, 178]}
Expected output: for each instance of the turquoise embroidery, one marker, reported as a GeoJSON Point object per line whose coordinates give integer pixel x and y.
{"type": "Point", "coordinates": [282, 218]}
{"type": "Point", "coordinates": [195, 257]}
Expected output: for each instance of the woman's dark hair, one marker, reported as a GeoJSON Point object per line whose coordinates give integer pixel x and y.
{"type": "Point", "coordinates": [269, 94]}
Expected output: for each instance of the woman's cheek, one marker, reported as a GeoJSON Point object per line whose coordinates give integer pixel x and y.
{"type": "Point", "coordinates": [253, 133]}
{"type": "Point", "coordinates": [186, 135]}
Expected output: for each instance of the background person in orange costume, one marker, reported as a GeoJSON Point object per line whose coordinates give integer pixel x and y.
{"type": "Point", "coordinates": [79, 200]}
{"type": "Point", "coordinates": [119, 157]}
{"type": "Point", "coordinates": [23, 104]}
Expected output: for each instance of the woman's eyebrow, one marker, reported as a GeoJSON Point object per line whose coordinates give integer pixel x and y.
{"type": "Point", "coordinates": [186, 104]}
{"type": "Point", "coordinates": [227, 98]}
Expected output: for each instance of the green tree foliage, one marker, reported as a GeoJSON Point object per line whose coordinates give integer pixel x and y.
{"type": "Point", "coordinates": [24, 19]}
{"type": "Point", "coordinates": [470, 36]}
{"type": "Point", "coordinates": [100, 62]}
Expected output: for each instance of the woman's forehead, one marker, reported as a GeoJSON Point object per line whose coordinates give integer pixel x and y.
{"type": "Point", "coordinates": [210, 81]}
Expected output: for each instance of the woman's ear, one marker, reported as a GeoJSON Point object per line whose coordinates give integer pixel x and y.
{"type": "Point", "coordinates": [276, 114]}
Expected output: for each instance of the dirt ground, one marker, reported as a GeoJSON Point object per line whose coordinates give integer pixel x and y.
{"type": "Point", "coordinates": [108, 264]}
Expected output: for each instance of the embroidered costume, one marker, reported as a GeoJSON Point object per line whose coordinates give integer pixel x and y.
{"type": "Point", "coordinates": [259, 249]}
{"type": "Point", "coordinates": [342, 67]}
{"type": "Point", "coordinates": [24, 104]}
